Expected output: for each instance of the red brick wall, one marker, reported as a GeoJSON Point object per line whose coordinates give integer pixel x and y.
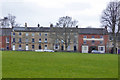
{"type": "Point", "coordinates": [3, 43]}
{"type": "Point", "coordinates": [89, 43]}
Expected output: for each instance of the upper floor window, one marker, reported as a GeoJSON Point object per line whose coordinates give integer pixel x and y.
{"type": "Point", "coordinates": [33, 34]}
{"type": "Point", "coordinates": [26, 34]}
{"type": "Point", "coordinates": [85, 37]}
{"type": "Point", "coordinates": [85, 41]}
{"type": "Point", "coordinates": [26, 40]}
{"type": "Point", "coordinates": [45, 34]}
{"type": "Point", "coordinates": [93, 36]}
{"type": "Point", "coordinates": [93, 41]}
{"type": "Point", "coordinates": [13, 39]}
{"type": "Point", "coordinates": [101, 36]}
{"type": "Point", "coordinates": [33, 40]}
{"type": "Point", "coordinates": [20, 33]}
{"type": "Point", "coordinates": [20, 40]}
{"type": "Point", "coordinates": [40, 40]}
{"type": "Point", "coordinates": [20, 46]}
{"type": "Point", "coordinates": [75, 41]}
{"type": "Point", "coordinates": [7, 39]}
{"type": "Point", "coordinates": [45, 39]}
{"type": "Point", "coordinates": [101, 42]}
{"type": "Point", "coordinates": [39, 34]}
{"type": "Point", "coordinates": [13, 33]}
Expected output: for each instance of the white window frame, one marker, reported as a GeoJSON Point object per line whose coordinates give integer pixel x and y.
{"type": "Point", "coordinates": [26, 34]}
{"type": "Point", "coordinates": [45, 47]}
{"type": "Point", "coordinates": [7, 39]}
{"type": "Point", "coordinates": [99, 48]}
{"type": "Point", "coordinates": [13, 47]}
{"type": "Point", "coordinates": [33, 34]}
{"type": "Point", "coordinates": [20, 47]}
{"type": "Point", "coordinates": [39, 40]}
{"type": "Point", "coordinates": [55, 47]}
{"type": "Point", "coordinates": [45, 40]}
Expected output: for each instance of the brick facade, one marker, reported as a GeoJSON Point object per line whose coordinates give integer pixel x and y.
{"type": "Point", "coordinates": [5, 39]}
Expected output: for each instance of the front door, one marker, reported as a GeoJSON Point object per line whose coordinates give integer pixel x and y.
{"type": "Point", "coordinates": [26, 48]}
{"type": "Point", "coordinates": [84, 49]}
{"type": "Point", "coordinates": [75, 48]}
{"type": "Point", "coordinates": [13, 47]}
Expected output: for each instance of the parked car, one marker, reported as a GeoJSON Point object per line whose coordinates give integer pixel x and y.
{"type": "Point", "coordinates": [45, 50]}
{"type": "Point", "coordinates": [96, 51]}
{"type": "Point", "coordinates": [41, 50]}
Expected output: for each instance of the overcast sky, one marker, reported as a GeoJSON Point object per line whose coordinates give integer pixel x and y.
{"type": "Point", "coordinates": [44, 12]}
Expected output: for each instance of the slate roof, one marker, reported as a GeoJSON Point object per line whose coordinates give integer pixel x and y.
{"type": "Point", "coordinates": [92, 31]}
{"type": "Point", "coordinates": [5, 31]}
{"type": "Point", "coordinates": [47, 29]}
{"type": "Point", "coordinates": [32, 29]}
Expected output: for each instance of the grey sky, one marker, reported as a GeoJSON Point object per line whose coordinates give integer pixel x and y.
{"type": "Point", "coordinates": [44, 12]}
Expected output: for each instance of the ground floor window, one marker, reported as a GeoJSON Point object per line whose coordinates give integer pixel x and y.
{"type": "Point", "coordinates": [101, 48]}
{"type": "Point", "coordinates": [45, 46]}
{"type": "Point", "coordinates": [40, 47]}
{"type": "Point", "coordinates": [32, 46]}
{"type": "Point", "coordinates": [20, 46]}
{"type": "Point", "coordinates": [56, 46]}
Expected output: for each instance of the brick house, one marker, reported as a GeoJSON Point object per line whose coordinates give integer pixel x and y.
{"type": "Point", "coordinates": [5, 38]}
{"type": "Point", "coordinates": [92, 39]}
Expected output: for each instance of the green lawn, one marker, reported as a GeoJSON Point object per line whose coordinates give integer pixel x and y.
{"type": "Point", "coordinates": [21, 64]}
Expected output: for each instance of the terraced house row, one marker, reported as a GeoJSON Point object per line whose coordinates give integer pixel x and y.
{"type": "Point", "coordinates": [34, 38]}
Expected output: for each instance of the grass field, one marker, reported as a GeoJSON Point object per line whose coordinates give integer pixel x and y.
{"type": "Point", "coordinates": [21, 64]}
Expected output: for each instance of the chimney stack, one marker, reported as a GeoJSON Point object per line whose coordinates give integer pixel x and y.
{"type": "Point", "coordinates": [38, 25]}
{"type": "Point", "coordinates": [76, 26]}
{"type": "Point", "coordinates": [51, 25]}
{"type": "Point", "coordinates": [25, 25]}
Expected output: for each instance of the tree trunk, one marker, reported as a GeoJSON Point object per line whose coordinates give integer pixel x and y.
{"type": "Point", "coordinates": [114, 42]}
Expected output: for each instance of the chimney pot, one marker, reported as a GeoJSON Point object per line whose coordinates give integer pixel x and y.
{"type": "Point", "coordinates": [38, 25]}
{"type": "Point", "coordinates": [51, 25]}
{"type": "Point", "coordinates": [26, 25]}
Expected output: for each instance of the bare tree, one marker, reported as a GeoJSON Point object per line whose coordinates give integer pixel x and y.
{"type": "Point", "coordinates": [110, 18]}
{"type": "Point", "coordinates": [4, 23]}
{"type": "Point", "coordinates": [63, 31]}
{"type": "Point", "coordinates": [8, 21]}
{"type": "Point", "coordinates": [12, 20]}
